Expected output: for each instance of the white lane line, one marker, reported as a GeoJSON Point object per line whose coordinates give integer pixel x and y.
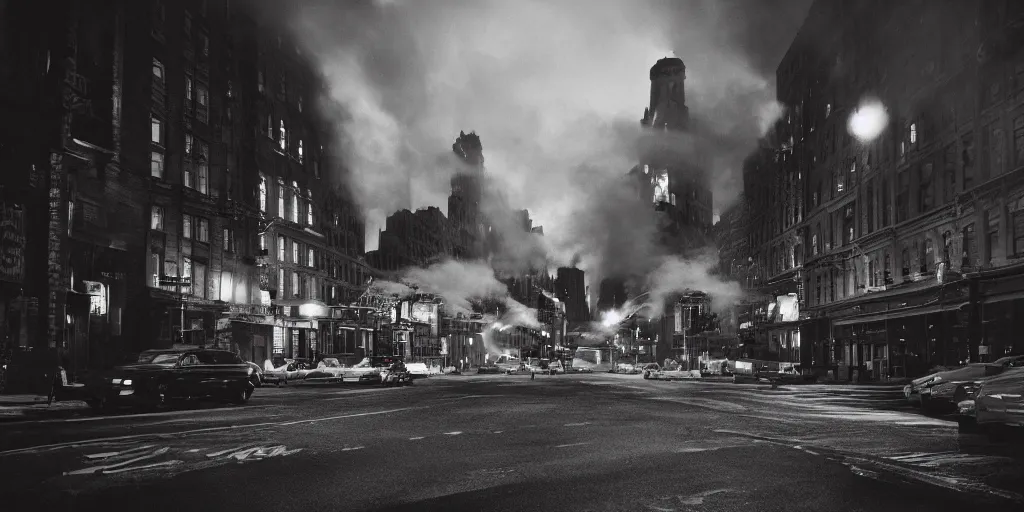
{"type": "Point", "coordinates": [570, 444]}
{"type": "Point", "coordinates": [87, 442]}
{"type": "Point", "coordinates": [357, 415]}
{"type": "Point", "coordinates": [577, 424]}
{"type": "Point", "coordinates": [455, 433]}
{"type": "Point", "coordinates": [415, 438]}
{"type": "Point", "coordinates": [498, 431]}
{"type": "Point", "coordinates": [347, 449]}
{"type": "Point", "coordinates": [357, 391]}
{"type": "Point", "coordinates": [144, 467]}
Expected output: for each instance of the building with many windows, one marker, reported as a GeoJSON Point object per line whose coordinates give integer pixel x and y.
{"type": "Point", "coordinates": [904, 245]}
{"type": "Point", "coordinates": [178, 181]}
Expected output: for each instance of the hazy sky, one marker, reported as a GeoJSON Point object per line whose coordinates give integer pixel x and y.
{"type": "Point", "coordinates": [555, 89]}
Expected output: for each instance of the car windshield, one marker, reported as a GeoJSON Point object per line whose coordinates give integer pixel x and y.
{"type": "Point", "coordinates": [159, 357]}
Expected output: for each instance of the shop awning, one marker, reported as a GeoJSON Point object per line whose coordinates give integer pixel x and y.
{"type": "Point", "coordinates": [900, 313]}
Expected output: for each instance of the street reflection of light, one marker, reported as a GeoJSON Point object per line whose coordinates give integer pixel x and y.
{"type": "Point", "coordinates": [868, 121]}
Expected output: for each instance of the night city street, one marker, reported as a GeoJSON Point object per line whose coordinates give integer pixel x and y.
{"type": "Point", "coordinates": [511, 255]}
{"type": "Point", "coordinates": [589, 442]}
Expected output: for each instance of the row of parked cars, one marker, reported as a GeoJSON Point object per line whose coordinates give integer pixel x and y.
{"type": "Point", "coordinates": [982, 395]}
{"type": "Point", "coordinates": [159, 377]}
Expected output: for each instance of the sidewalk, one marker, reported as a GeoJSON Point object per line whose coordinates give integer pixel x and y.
{"type": "Point", "coordinates": [15, 407]}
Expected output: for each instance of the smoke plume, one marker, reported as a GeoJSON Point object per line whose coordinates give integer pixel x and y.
{"type": "Point", "coordinates": [556, 90]}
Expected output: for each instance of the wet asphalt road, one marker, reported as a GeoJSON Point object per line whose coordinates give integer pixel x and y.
{"type": "Point", "coordinates": [589, 442]}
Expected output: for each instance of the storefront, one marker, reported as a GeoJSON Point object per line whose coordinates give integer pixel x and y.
{"type": "Point", "coordinates": [296, 329]}
{"type": "Point", "coordinates": [1001, 312]}
{"type": "Point", "coordinates": [247, 329]}
{"type": "Point", "coordinates": [348, 333]}
{"type": "Point", "coordinates": [902, 335]}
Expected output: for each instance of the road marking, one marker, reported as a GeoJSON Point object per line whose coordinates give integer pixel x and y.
{"type": "Point", "coordinates": [498, 431]}
{"type": "Point", "coordinates": [415, 438]}
{"type": "Point", "coordinates": [577, 424]}
{"type": "Point", "coordinates": [356, 391]}
{"type": "Point", "coordinates": [107, 455]}
{"type": "Point", "coordinates": [347, 449]}
{"type": "Point", "coordinates": [357, 415]}
{"type": "Point", "coordinates": [87, 442]}
{"type": "Point", "coordinates": [455, 433]}
{"type": "Point", "coordinates": [144, 467]}
{"type": "Point", "coordinates": [94, 469]}
{"type": "Point", "coordinates": [570, 444]}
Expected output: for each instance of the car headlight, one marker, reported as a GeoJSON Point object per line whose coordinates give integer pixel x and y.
{"type": "Point", "coordinates": [126, 382]}
{"type": "Point", "coordinates": [121, 382]}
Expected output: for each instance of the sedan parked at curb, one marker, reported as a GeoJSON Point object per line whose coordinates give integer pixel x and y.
{"type": "Point", "coordinates": [998, 402]}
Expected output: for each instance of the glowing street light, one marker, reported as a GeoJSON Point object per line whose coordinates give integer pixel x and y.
{"type": "Point", "coordinates": [868, 121]}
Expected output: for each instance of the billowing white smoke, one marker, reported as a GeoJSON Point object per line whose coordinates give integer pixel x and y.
{"type": "Point", "coordinates": [557, 106]}
{"type": "Point", "coordinates": [677, 275]}
{"type": "Point", "coordinates": [463, 283]}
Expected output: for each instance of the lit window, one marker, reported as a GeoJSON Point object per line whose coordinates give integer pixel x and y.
{"type": "Point", "coordinates": [189, 144]}
{"type": "Point", "coordinates": [202, 95]}
{"type": "Point", "coordinates": [280, 199]}
{"type": "Point", "coordinates": [295, 252]}
{"type": "Point", "coordinates": [300, 151]}
{"type": "Point", "coordinates": [188, 90]}
{"type": "Point", "coordinates": [229, 240]}
{"type": "Point", "coordinates": [913, 133]}
{"type": "Point", "coordinates": [156, 164]}
{"type": "Point", "coordinates": [281, 248]}
{"type": "Point", "coordinates": [157, 221]}
{"type": "Point", "coordinates": [280, 282]}
{"type": "Point", "coordinates": [156, 129]}
{"type": "Point", "coordinates": [828, 110]}
{"type": "Point", "coordinates": [282, 139]}
{"type": "Point", "coordinates": [312, 260]}
{"type": "Point", "coordinates": [158, 73]}
{"type": "Point", "coordinates": [295, 207]}
{"type": "Point", "coordinates": [263, 194]}
{"type": "Point", "coordinates": [204, 231]}
{"type": "Point", "coordinates": [186, 226]}
{"type": "Point", "coordinates": [309, 213]}
{"type": "Point", "coordinates": [295, 283]}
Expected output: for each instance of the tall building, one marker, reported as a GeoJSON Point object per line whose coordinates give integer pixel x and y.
{"type": "Point", "coordinates": [412, 239]}
{"type": "Point", "coordinates": [679, 184]}
{"type": "Point", "coordinates": [464, 211]}
{"type": "Point", "coordinates": [141, 238]}
{"type": "Point", "coordinates": [907, 248]}
{"type": "Point", "coordinates": [672, 173]}
{"type": "Point", "coordinates": [571, 289]}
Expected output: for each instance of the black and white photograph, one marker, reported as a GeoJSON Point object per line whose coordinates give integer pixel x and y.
{"type": "Point", "coordinates": [511, 255]}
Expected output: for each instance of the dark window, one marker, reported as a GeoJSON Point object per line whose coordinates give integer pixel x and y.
{"type": "Point", "coordinates": [967, 158]}
{"type": "Point", "coordinates": [902, 196]}
{"type": "Point", "coordinates": [925, 191]}
{"type": "Point", "coordinates": [949, 169]}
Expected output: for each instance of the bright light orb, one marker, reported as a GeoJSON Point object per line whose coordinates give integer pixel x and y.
{"type": "Point", "coordinates": [868, 121]}
{"type": "Point", "coordinates": [610, 318]}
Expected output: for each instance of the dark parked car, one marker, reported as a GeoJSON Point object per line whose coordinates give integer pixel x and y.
{"type": "Point", "coordinates": [159, 376]}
